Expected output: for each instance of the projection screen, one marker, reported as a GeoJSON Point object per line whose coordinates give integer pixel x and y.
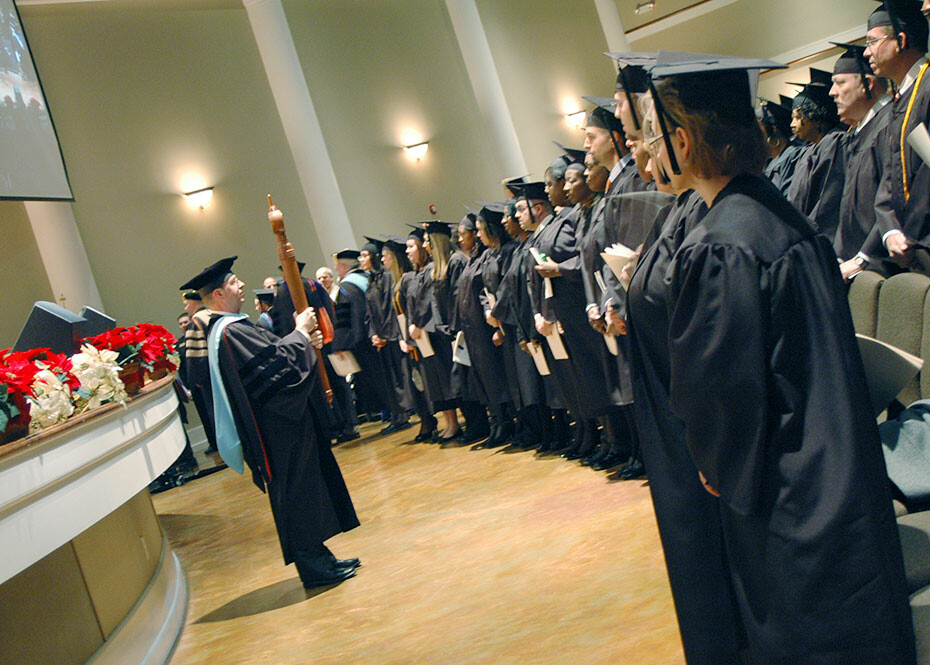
{"type": "Point", "coordinates": [31, 164]}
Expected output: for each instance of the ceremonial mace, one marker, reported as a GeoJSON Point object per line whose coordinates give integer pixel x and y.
{"type": "Point", "coordinates": [295, 287]}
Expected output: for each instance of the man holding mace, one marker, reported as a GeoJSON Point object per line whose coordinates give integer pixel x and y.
{"type": "Point", "coordinates": [262, 387]}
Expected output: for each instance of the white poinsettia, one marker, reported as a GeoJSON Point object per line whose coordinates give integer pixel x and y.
{"type": "Point", "coordinates": [51, 403]}
{"type": "Point", "coordinates": [98, 372]}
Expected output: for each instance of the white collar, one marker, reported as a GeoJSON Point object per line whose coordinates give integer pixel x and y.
{"type": "Point", "coordinates": [911, 76]}
{"type": "Point", "coordinates": [876, 107]}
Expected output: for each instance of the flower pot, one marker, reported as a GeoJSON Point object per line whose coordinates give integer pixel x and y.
{"type": "Point", "coordinates": [159, 369]}
{"type": "Point", "coordinates": [132, 376]}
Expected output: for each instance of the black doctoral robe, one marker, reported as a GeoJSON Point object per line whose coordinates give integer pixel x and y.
{"type": "Point", "coordinates": [865, 157]}
{"type": "Point", "coordinates": [351, 326]}
{"type": "Point", "coordinates": [817, 187]}
{"type": "Point", "coordinates": [781, 169]}
{"type": "Point", "coordinates": [272, 386]}
{"type": "Point", "coordinates": [894, 209]}
{"type": "Point", "coordinates": [765, 376]}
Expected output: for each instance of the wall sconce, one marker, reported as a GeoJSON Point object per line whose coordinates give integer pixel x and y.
{"type": "Point", "coordinates": [199, 198]}
{"type": "Point", "coordinates": [576, 120]}
{"type": "Point", "coordinates": [416, 152]}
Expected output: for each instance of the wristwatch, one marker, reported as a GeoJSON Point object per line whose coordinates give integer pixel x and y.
{"type": "Point", "coordinates": [861, 261]}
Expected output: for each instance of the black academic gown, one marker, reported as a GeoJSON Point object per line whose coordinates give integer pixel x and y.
{"type": "Point", "coordinates": [471, 303]}
{"type": "Point", "coordinates": [436, 370]}
{"type": "Point", "coordinates": [765, 376]}
{"type": "Point", "coordinates": [383, 322]}
{"type": "Point", "coordinates": [687, 515]}
{"type": "Point", "coordinates": [894, 209]}
{"type": "Point", "coordinates": [411, 366]}
{"type": "Point", "coordinates": [444, 295]}
{"type": "Point", "coordinates": [196, 372]}
{"type": "Point", "coordinates": [342, 413]}
{"type": "Point", "coordinates": [865, 158]}
{"type": "Point", "coordinates": [556, 238]}
{"type": "Point", "coordinates": [781, 169]}
{"type": "Point", "coordinates": [272, 385]}
{"type": "Point", "coordinates": [514, 310]}
{"type": "Point", "coordinates": [817, 188]}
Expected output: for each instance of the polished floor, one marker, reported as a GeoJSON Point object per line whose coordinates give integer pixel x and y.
{"type": "Point", "coordinates": [469, 557]}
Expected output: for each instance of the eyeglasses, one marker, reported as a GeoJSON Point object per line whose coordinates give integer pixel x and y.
{"type": "Point", "coordinates": [651, 143]}
{"type": "Point", "coordinates": [872, 41]}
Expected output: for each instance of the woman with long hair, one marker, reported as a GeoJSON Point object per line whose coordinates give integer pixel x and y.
{"type": "Point", "coordinates": [402, 278]}
{"type": "Point", "coordinates": [767, 472]}
{"type": "Point", "coordinates": [383, 333]}
{"type": "Point", "coordinates": [428, 330]}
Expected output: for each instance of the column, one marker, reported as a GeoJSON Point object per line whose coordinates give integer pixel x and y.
{"type": "Point", "coordinates": [476, 51]}
{"type": "Point", "coordinates": [612, 25]}
{"type": "Point", "coordinates": [63, 254]}
{"type": "Point", "coordinates": [301, 126]}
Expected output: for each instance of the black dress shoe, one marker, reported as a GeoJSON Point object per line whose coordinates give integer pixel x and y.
{"type": "Point", "coordinates": [395, 427]}
{"type": "Point", "coordinates": [347, 436]}
{"type": "Point", "coordinates": [320, 570]}
{"type": "Point", "coordinates": [469, 436]}
{"type": "Point", "coordinates": [453, 437]}
{"type": "Point", "coordinates": [632, 471]}
{"type": "Point", "coordinates": [424, 435]}
{"type": "Point", "coordinates": [353, 563]}
{"type": "Point", "coordinates": [609, 462]}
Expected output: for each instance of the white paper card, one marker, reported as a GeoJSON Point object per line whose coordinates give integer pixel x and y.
{"type": "Point", "coordinates": [344, 363]}
{"type": "Point", "coordinates": [460, 350]}
{"type": "Point", "coordinates": [617, 256]}
{"type": "Point", "coordinates": [919, 140]}
{"type": "Point", "coordinates": [539, 358]}
{"type": "Point", "coordinates": [556, 346]}
{"type": "Point", "coordinates": [425, 346]}
{"type": "Point", "coordinates": [402, 322]}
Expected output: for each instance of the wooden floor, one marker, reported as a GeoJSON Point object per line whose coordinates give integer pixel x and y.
{"type": "Point", "coordinates": [469, 557]}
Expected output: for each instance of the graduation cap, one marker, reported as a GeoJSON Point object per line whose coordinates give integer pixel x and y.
{"type": "Point", "coordinates": [786, 101]}
{"type": "Point", "coordinates": [264, 295]}
{"type": "Point", "coordinates": [211, 277]}
{"type": "Point", "coordinates": [347, 254]}
{"type": "Point", "coordinates": [435, 226]}
{"type": "Point", "coordinates": [707, 82]}
{"type": "Point", "coordinates": [373, 245]}
{"type": "Point", "coordinates": [533, 191]}
{"type": "Point", "coordinates": [396, 244]}
{"type": "Point", "coordinates": [903, 16]}
{"type": "Point", "coordinates": [817, 93]}
{"type": "Point", "coordinates": [777, 116]}
{"type": "Point", "coordinates": [509, 182]}
{"type": "Point", "coordinates": [492, 214]}
{"type": "Point", "coordinates": [191, 295]}
{"type": "Point", "coordinates": [300, 266]}
{"type": "Point", "coordinates": [574, 154]}
{"type": "Point", "coordinates": [417, 232]}
{"type": "Point", "coordinates": [853, 61]}
{"type": "Point", "coordinates": [633, 76]}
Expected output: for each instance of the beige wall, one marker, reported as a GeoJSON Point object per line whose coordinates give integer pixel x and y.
{"type": "Point", "coordinates": [547, 56]}
{"type": "Point", "coordinates": [375, 71]}
{"type": "Point", "coordinates": [21, 271]}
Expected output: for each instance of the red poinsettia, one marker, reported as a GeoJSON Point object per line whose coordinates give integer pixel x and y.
{"type": "Point", "coordinates": [18, 370]}
{"type": "Point", "coordinates": [60, 365]}
{"type": "Point", "coordinates": [144, 343]}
